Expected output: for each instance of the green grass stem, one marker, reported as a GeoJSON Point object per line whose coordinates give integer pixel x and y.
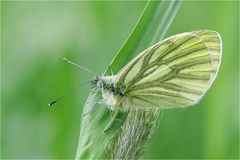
{"type": "Point", "coordinates": [130, 132]}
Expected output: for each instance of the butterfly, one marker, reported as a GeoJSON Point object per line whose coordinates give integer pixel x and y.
{"type": "Point", "coordinates": [174, 73]}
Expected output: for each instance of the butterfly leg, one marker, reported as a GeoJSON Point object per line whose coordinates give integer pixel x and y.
{"type": "Point", "coordinates": [111, 70]}
{"type": "Point", "coordinates": [110, 111]}
{"type": "Point", "coordinates": [84, 114]}
{"type": "Point", "coordinates": [102, 101]}
{"type": "Point", "coordinates": [112, 120]}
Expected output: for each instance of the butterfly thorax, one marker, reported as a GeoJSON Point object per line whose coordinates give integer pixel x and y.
{"type": "Point", "coordinates": [101, 83]}
{"type": "Point", "coordinates": [112, 94]}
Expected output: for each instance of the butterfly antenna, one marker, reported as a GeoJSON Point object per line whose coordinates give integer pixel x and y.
{"type": "Point", "coordinates": [72, 90]}
{"type": "Point", "coordinates": [81, 67]}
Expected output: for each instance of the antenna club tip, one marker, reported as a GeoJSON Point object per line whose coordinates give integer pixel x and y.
{"type": "Point", "coordinates": [65, 59]}
{"type": "Point", "coordinates": [50, 104]}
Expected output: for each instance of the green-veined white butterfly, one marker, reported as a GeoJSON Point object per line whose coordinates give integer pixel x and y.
{"type": "Point", "coordinates": [175, 72]}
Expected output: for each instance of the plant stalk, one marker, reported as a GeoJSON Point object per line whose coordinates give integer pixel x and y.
{"type": "Point", "coordinates": [136, 132]}
{"type": "Point", "coordinates": [130, 132]}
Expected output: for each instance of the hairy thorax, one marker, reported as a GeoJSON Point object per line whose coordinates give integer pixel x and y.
{"type": "Point", "coordinates": [112, 94]}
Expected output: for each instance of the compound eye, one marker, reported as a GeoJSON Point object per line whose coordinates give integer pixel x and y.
{"type": "Point", "coordinates": [99, 84]}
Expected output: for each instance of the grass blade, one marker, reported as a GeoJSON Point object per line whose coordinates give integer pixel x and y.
{"type": "Point", "coordinates": [94, 143]}
{"type": "Point", "coordinates": [151, 28]}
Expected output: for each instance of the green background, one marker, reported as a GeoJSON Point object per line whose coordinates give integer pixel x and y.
{"type": "Point", "coordinates": [35, 36]}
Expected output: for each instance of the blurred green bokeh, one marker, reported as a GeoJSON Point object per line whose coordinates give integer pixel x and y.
{"type": "Point", "coordinates": [35, 36]}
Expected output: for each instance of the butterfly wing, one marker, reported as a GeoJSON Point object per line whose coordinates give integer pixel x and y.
{"type": "Point", "coordinates": [175, 72]}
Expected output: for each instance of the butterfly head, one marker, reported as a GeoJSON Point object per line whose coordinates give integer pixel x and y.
{"type": "Point", "coordinates": [103, 82]}
{"type": "Point", "coordinates": [97, 83]}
